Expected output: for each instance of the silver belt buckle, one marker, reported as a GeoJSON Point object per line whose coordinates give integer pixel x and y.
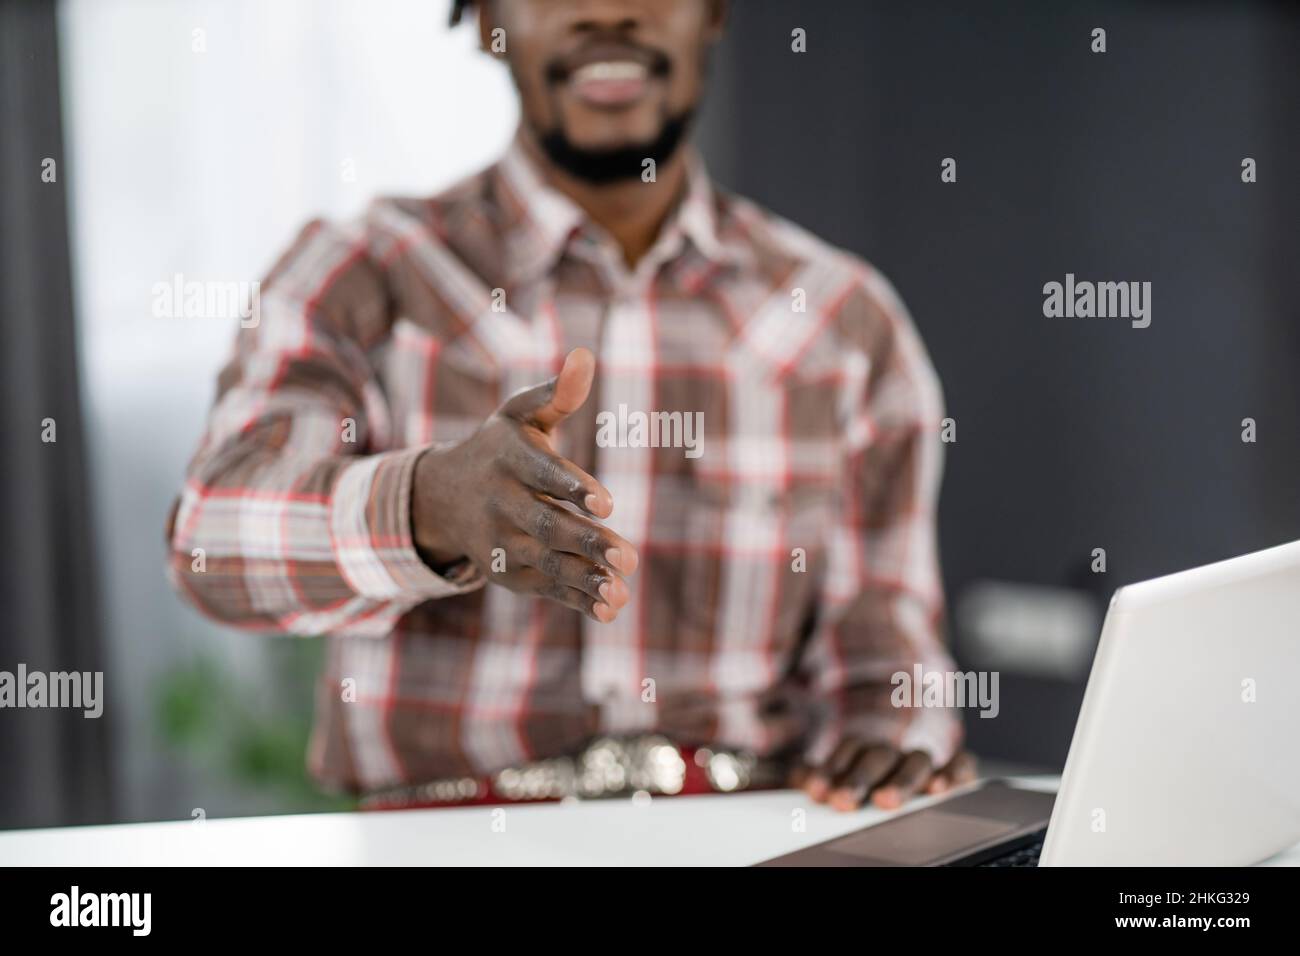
{"type": "Point", "coordinates": [617, 766]}
{"type": "Point", "coordinates": [727, 771]}
{"type": "Point", "coordinates": [606, 767]}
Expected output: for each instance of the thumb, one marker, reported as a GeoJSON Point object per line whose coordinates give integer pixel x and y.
{"type": "Point", "coordinates": [548, 404]}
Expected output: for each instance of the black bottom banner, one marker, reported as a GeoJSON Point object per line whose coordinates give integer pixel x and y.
{"type": "Point", "coordinates": [209, 906]}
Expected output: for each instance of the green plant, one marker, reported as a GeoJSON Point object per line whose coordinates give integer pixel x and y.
{"type": "Point", "coordinates": [255, 739]}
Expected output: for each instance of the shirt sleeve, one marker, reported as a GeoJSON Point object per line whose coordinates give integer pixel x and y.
{"type": "Point", "coordinates": [881, 603]}
{"type": "Point", "coordinates": [295, 511]}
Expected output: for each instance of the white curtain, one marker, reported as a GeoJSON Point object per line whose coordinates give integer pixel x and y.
{"type": "Point", "coordinates": [201, 134]}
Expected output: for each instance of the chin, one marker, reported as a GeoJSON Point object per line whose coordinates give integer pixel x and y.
{"type": "Point", "coordinates": [611, 129]}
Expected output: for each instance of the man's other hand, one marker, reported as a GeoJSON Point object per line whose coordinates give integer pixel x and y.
{"type": "Point", "coordinates": [857, 770]}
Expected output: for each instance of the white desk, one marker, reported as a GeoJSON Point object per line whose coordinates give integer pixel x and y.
{"type": "Point", "coordinates": [735, 829]}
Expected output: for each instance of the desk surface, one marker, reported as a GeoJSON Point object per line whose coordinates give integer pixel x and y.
{"type": "Point", "coordinates": [731, 830]}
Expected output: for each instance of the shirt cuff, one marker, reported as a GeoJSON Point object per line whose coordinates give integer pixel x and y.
{"type": "Point", "coordinates": [370, 532]}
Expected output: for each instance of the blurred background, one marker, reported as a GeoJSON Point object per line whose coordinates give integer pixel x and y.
{"type": "Point", "coordinates": [196, 136]}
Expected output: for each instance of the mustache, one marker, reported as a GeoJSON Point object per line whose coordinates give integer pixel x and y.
{"type": "Point", "coordinates": [657, 63]}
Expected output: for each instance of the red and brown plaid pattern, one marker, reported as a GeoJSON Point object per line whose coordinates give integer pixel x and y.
{"type": "Point", "coordinates": [821, 417]}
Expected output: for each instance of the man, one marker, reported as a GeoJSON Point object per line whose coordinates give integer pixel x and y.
{"type": "Point", "coordinates": [381, 465]}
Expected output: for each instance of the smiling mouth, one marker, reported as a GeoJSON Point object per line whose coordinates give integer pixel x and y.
{"type": "Point", "coordinates": [610, 82]}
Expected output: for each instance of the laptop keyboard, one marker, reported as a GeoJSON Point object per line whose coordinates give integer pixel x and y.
{"type": "Point", "coordinates": [1026, 855]}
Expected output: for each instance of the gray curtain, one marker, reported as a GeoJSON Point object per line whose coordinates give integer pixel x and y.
{"type": "Point", "coordinates": [53, 763]}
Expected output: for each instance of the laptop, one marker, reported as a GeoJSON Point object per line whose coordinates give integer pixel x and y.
{"type": "Point", "coordinates": [1183, 754]}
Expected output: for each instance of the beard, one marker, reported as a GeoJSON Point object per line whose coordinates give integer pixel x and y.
{"type": "Point", "coordinates": [603, 166]}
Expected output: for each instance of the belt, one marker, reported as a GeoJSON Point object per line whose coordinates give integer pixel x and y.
{"type": "Point", "coordinates": [637, 766]}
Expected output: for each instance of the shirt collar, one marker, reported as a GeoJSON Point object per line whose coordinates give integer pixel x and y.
{"type": "Point", "coordinates": [540, 221]}
{"type": "Point", "coordinates": [697, 216]}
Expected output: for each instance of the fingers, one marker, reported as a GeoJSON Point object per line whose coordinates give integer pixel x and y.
{"type": "Point", "coordinates": [961, 770]}
{"type": "Point", "coordinates": [533, 581]}
{"type": "Point", "coordinates": [857, 770]}
{"type": "Point", "coordinates": [872, 766]}
{"type": "Point", "coordinates": [542, 470]}
{"type": "Point", "coordinates": [548, 404]}
{"type": "Point", "coordinates": [912, 773]}
{"type": "Point", "coordinates": [572, 571]}
{"type": "Point", "coordinates": [558, 529]}
{"type": "Point", "coordinates": [568, 558]}
{"type": "Point", "coordinates": [820, 781]}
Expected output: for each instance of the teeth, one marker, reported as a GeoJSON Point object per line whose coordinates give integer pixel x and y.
{"type": "Point", "coordinates": [610, 70]}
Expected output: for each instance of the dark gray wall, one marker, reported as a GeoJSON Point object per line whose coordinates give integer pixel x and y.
{"type": "Point", "coordinates": [1072, 433]}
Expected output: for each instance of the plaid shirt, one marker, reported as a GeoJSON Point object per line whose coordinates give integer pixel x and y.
{"type": "Point", "coordinates": [786, 574]}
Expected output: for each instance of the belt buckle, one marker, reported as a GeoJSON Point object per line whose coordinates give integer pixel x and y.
{"type": "Point", "coordinates": [613, 766]}
{"type": "Point", "coordinates": [726, 770]}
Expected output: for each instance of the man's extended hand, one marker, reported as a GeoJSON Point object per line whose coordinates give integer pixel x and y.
{"type": "Point", "coordinates": [858, 769]}
{"type": "Point", "coordinates": [499, 488]}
